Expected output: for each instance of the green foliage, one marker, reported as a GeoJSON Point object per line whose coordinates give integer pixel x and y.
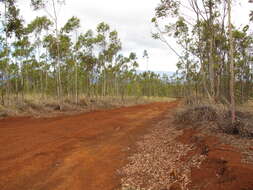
{"type": "Point", "coordinates": [39, 24]}
{"type": "Point", "coordinates": [38, 4]}
{"type": "Point", "coordinates": [72, 24]}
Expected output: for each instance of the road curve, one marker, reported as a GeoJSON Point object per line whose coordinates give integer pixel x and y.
{"type": "Point", "coordinates": [81, 152]}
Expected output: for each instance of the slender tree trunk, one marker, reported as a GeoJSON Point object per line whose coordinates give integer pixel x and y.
{"type": "Point", "coordinates": [104, 83]}
{"type": "Point", "coordinates": [7, 56]}
{"type": "Point", "coordinates": [46, 84]}
{"type": "Point", "coordinates": [231, 56]}
{"type": "Point", "coordinates": [211, 53]}
{"type": "Point", "coordinates": [218, 85]}
{"type": "Point", "coordinates": [76, 73]}
{"type": "Point", "coordinates": [59, 85]}
{"type": "Point", "coordinates": [211, 68]}
{"type": "Point", "coordinates": [202, 66]}
{"type": "Point", "coordinates": [76, 82]}
{"type": "Point", "coordinates": [41, 75]}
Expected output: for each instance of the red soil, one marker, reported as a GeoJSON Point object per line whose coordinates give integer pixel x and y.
{"type": "Point", "coordinates": [85, 151]}
{"type": "Point", "coordinates": [74, 152]}
{"type": "Point", "coordinates": [222, 169]}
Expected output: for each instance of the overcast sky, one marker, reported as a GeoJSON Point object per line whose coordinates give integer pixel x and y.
{"type": "Point", "coordinates": [131, 19]}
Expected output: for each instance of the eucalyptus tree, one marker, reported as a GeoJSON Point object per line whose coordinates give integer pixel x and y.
{"type": "Point", "coordinates": [22, 52]}
{"type": "Point", "coordinates": [71, 27]}
{"type": "Point", "coordinates": [67, 63]}
{"type": "Point", "coordinates": [109, 45]}
{"type": "Point", "coordinates": [89, 70]}
{"type": "Point", "coordinates": [132, 67]}
{"type": "Point", "coordinates": [3, 72]}
{"type": "Point", "coordinates": [120, 61]}
{"type": "Point", "coordinates": [114, 46]}
{"type": "Point", "coordinates": [46, 5]}
{"type": "Point", "coordinates": [12, 25]}
{"type": "Point", "coordinates": [231, 59]}
{"type": "Point", "coordinates": [242, 61]}
{"type": "Point", "coordinates": [103, 31]}
{"type": "Point", "coordinates": [39, 26]}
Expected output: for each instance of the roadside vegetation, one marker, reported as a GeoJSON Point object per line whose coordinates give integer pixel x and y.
{"type": "Point", "coordinates": [207, 115]}
{"type": "Point", "coordinates": [32, 106]}
{"type": "Point", "coordinates": [215, 65]}
{"type": "Point", "coordinates": [215, 61]}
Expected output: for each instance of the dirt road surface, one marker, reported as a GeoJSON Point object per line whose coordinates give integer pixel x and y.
{"type": "Point", "coordinates": [81, 152]}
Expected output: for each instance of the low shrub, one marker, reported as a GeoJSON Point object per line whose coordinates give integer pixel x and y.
{"type": "Point", "coordinates": [242, 127]}
{"type": "Point", "coordinates": [199, 116]}
{"type": "Point", "coordinates": [196, 114]}
{"type": "Point", "coordinates": [3, 114]}
{"type": "Point", "coordinates": [53, 106]}
{"type": "Point", "coordinates": [83, 102]}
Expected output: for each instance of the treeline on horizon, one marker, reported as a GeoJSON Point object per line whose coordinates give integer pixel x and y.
{"type": "Point", "coordinates": [43, 59]}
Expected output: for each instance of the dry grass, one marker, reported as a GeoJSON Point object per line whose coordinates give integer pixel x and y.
{"type": "Point", "coordinates": [196, 114]}
{"type": "Point", "coordinates": [217, 116]}
{"type": "Point", "coordinates": [39, 106]}
{"type": "Point", "coordinates": [247, 107]}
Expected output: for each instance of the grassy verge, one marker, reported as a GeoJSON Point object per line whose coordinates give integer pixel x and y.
{"type": "Point", "coordinates": [36, 105]}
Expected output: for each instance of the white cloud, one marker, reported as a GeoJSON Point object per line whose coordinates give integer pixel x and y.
{"type": "Point", "coordinates": [131, 19]}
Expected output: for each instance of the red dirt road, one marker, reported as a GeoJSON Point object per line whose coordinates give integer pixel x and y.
{"type": "Point", "coordinates": [80, 152]}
